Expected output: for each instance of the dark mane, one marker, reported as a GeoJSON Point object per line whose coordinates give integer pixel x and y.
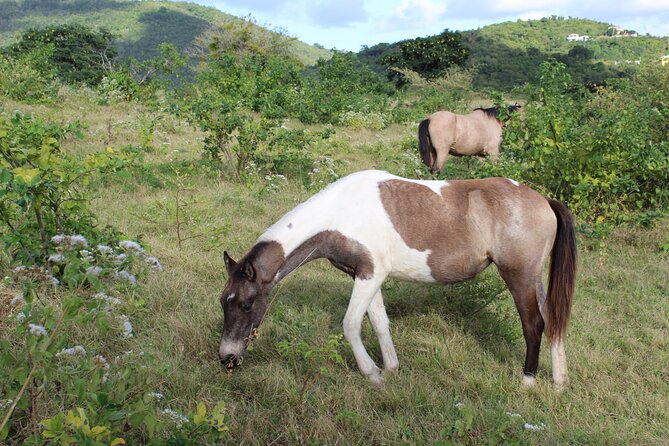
{"type": "Point", "coordinates": [490, 112]}
{"type": "Point", "coordinates": [493, 112]}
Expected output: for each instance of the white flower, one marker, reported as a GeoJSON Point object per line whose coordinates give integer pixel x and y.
{"type": "Point", "coordinates": [513, 415]}
{"type": "Point", "coordinates": [127, 326]}
{"type": "Point", "coordinates": [17, 300]}
{"type": "Point", "coordinates": [104, 249]}
{"type": "Point", "coordinates": [125, 275]}
{"type": "Point", "coordinates": [94, 270]}
{"type": "Point", "coordinates": [5, 404]}
{"type": "Point", "coordinates": [55, 281]}
{"type": "Point", "coordinates": [156, 395]}
{"type": "Point", "coordinates": [132, 247]}
{"type": "Point", "coordinates": [37, 330]}
{"type": "Point", "coordinates": [78, 240]}
{"type": "Point", "coordinates": [100, 361]}
{"type": "Point", "coordinates": [120, 258]}
{"type": "Point", "coordinates": [176, 417]}
{"type": "Point", "coordinates": [109, 300]}
{"type": "Point", "coordinates": [20, 269]}
{"type": "Point", "coordinates": [86, 255]}
{"type": "Point", "coordinates": [72, 351]}
{"type": "Point", "coordinates": [459, 404]}
{"type": "Point", "coordinates": [535, 427]}
{"type": "Point", "coordinates": [155, 263]}
{"type": "Point", "coordinates": [57, 258]}
{"type": "Point", "coordinates": [20, 317]}
{"type": "Point", "coordinates": [70, 241]}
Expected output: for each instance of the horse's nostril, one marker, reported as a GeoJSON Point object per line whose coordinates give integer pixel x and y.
{"type": "Point", "coordinates": [230, 361]}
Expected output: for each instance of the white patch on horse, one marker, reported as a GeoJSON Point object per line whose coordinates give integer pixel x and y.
{"type": "Point", "coordinates": [348, 206]}
{"type": "Point", "coordinates": [434, 185]}
{"type": "Point", "coordinates": [514, 182]}
{"type": "Point", "coordinates": [230, 297]}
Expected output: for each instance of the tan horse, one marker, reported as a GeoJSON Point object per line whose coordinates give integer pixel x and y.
{"type": "Point", "coordinates": [476, 134]}
{"type": "Point", "coordinates": [373, 225]}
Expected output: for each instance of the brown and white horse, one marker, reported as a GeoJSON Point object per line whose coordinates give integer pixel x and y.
{"type": "Point", "coordinates": [373, 225]}
{"type": "Point", "coordinates": [476, 134]}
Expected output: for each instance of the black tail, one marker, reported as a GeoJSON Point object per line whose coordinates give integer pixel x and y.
{"type": "Point", "coordinates": [426, 148]}
{"type": "Point", "coordinates": [562, 272]}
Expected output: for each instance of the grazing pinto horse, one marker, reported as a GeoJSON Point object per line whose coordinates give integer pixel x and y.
{"type": "Point", "coordinates": [373, 225]}
{"type": "Point", "coordinates": [478, 133]}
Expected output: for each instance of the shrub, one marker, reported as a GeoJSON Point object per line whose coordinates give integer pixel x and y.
{"type": "Point", "coordinates": [26, 78]}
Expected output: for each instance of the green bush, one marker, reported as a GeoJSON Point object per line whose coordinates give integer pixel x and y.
{"type": "Point", "coordinates": [42, 191]}
{"type": "Point", "coordinates": [28, 78]}
{"type": "Point", "coordinates": [80, 54]}
{"type": "Point", "coordinates": [340, 85]}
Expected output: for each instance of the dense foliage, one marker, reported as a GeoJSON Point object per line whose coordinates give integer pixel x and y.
{"type": "Point", "coordinates": [79, 55]}
{"type": "Point", "coordinates": [428, 56]}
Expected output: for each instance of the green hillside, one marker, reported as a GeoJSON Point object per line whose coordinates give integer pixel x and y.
{"type": "Point", "coordinates": [508, 54]}
{"type": "Point", "coordinates": [549, 35]}
{"type": "Point", "coordinates": [140, 26]}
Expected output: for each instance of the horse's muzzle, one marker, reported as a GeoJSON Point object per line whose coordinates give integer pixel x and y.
{"type": "Point", "coordinates": [230, 361]}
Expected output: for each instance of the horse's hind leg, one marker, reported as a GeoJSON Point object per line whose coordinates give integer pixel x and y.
{"type": "Point", "coordinates": [364, 291]}
{"type": "Point", "coordinates": [558, 355]}
{"type": "Point", "coordinates": [524, 289]}
{"type": "Point", "coordinates": [381, 323]}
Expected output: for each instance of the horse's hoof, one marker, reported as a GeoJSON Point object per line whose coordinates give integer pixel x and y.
{"type": "Point", "coordinates": [529, 381]}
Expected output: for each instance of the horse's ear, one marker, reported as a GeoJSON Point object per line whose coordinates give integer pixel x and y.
{"type": "Point", "coordinates": [249, 271]}
{"type": "Point", "coordinates": [229, 263]}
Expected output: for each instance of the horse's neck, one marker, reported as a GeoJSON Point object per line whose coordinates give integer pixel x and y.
{"type": "Point", "coordinates": [295, 232]}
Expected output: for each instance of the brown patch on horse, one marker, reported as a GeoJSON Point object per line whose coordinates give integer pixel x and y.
{"type": "Point", "coordinates": [344, 253]}
{"type": "Point", "coordinates": [263, 261]}
{"type": "Point", "coordinates": [459, 226]}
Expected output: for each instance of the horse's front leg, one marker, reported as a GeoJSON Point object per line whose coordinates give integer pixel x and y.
{"type": "Point", "coordinates": [381, 323]}
{"type": "Point", "coordinates": [364, 291]}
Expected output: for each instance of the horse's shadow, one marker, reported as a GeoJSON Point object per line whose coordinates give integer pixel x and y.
{"type": "Point", "coordinates": [482, 307]}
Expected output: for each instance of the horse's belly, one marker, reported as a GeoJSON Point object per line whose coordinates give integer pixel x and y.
{"type": "Point", "coordinates": [424, 266]}
{"type": "Point", "coordinates": [412, 265]}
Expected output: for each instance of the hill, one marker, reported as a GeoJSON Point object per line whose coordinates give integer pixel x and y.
{"type": "Point", "coordinates": [508, 54]}
{"type": "Point", "coordinates": [140, 26]}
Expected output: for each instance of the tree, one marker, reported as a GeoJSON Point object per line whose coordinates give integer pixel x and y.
{"type": "Point", "coordinates": [427, 56]}
{"type": "Point", "coordinates": [80, 55]}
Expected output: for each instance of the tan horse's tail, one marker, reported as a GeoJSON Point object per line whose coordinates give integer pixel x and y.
{"type": "Point", "coordinates": [562, 273]}
{"type": "Point", "coordinates": [426, 148]}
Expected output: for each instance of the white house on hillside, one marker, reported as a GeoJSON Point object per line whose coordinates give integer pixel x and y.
{"type": "Point", "coordinates": [576, 38]}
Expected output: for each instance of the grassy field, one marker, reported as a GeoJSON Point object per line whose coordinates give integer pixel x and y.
{"type": "Point", "coordinates": [460, 347]}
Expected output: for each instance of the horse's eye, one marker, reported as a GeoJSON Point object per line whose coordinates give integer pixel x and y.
{"type": "Point", "coordinates": [246, 306]}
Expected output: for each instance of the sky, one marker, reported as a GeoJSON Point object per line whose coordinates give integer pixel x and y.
{"type": "Point", "coordinates": [351, 24]}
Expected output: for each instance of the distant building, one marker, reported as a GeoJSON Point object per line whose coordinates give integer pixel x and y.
{"type": "Point", "coordinates": [619, 31]}
{"type": "Point", "coordinates": [577, 38]}
{"type": "Point", "coordinates": [614, 30]}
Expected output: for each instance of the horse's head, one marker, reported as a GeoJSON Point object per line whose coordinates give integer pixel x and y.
{"type": "Point", "coordinates": [244, 302]}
